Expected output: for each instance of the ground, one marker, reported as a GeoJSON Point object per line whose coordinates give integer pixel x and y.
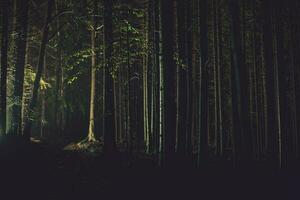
{"type": "Point", "coordinates": [40, 171]}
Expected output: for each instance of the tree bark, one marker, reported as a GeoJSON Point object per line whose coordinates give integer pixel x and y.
{"type": "Point", "coordinates": [91, 133]}
{"type": "Point", "coordinates": [109, 118]}
{"type": "Point", "coordinates": [240, 91]}
{"type": "Point", "coordinates": [203, 148]}
{"type": "Point", "coordinates": [4, 66]}
{"type": "Point", "coordinates": [169, 74]}
{"type": "Point", "coordinates": [181, 76]}
{"type": "Point", "coordinates": [272, 123]}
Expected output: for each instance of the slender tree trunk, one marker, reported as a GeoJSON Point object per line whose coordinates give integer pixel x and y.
{"type": "Point", "coordinates": [189, 77]}
{"type": "Point", "coordinates": [43, 101]}
{"type": "Point", "coordinates": [58, 109]}
{"type": "Point", "coordinates": [130, 129]}
{"type": "Point", "coordinates": [4, 66]}
{"type": "Point", "coordinates": [256, 119]}
{"type": "Point", "coordinates": [240, 91]}
{"type": "Point", "coordinates": [181, 76]}
{"type": "Point", "coordinates": [296, 48]}
{"type": "Point", "coordinates": [145, 87]}
{"type": "Point", "coordinates": [169, 74]}
{"type": "Point", "coordinates": [109, 123]}
{"type": "Point", "coordinates": [91, 133]}
{"type": "Point", "coordinates": [203, 148]}
{"type": "Point", "coordinates": [272, 124]}
{"type": "Point", "coordinates": [217, 80]}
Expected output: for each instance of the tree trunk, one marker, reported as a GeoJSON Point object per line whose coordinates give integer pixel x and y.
{"type": "Point", "coordinates": [36, 86]}
{"type": "Point", "coordinates": [272, 124]}
{"type": "Point", "coordinates": [91, 133]}
{"type": "Point", "coordinates": [58, 108]}
{"type": "Point", "coordinates": [4, 66]}
{"type": "Point", "coordinates": [109, 123]}
{"type": "Point", "coordinates": [240, 91]}
{"type": "Point", "coordinates": [203, 134]}
{"type": "Point", "coordinates": [21, 26]}
{"type": "Point", "coordinates": [181, 76]}
{"type": "Point", "coordinates": [169, 74]}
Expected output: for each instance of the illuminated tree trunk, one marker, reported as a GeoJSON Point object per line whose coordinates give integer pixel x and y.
{"type": "Point", "coordinates": [145, 87]}
{"type": "Point", "coordinates": [4, 66]}
{"type": "Point", "coordinates": [155, 79]}
{"type": "Point", "coordinates": [43, 101]}
{"type": "Point", "coordinates": [20, 52]}
{"type": "Point", "coordinates": [91, 133]}
{"type": "Point", "coordinates": [160, 86]}
{"type": "Point", "coordinates": [36, 86]}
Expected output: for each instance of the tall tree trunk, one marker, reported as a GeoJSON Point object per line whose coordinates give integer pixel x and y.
{"type": "Point", "coordinates": [36, 86]}
{"type": "Point", "coordinates": [109, 123]}
{"type": "Point", "coordinates": [130, 119]}
{"type": "Point", "coordinates": [181, 76]}
{"type": "Point", "coordinates": [189, 77]}
{"type": "Point", "coordinates": [155, 85]}
{"type": "Point", "coordinates": [4, 66]}
{"type": "Point", "coordinates": [145, 86]}
{"type": "Point", "coordinates": [169, 74]}
{"type": "Point", "coordinates": [91, 133]}
{"type": "Point", "coordinates": [217, 79]}
{"type": "Point", "coordinates": [43, 101]}
{"type": "Point", "coordinates": [20, 52]}
{"type": "Point", "coordinates": [161, 88]}
{"type": "Point", "coordinates": [58, 108]}
{"type": "Point", "coordinates": [256, 121]}
{"type": "Point", "coordinates": [272, 124]}
{"type": "Point", "coordinates": [240, 91]}
{"type": "Point", "coordinates": [296, 48]}
{"type": "Point", "coordinates": [203, 134]}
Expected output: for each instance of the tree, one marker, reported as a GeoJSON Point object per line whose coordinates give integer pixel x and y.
{"type": "Point", "coordinates": [20, 52]}
{"type": "Point", "coordinates": [4, 66]}
{"type": "Point", "coordinates": [40, 67]}
{"type": "Point", "coordinates": [169, 74]}
{"type": "Point", "coordinates": [91, 134]}
{"type": "Point", "coordinates": [240, 99]}
{"type": "Point", "coordinates": [203, 112]}
{"type": "Point", "coordinates": [59, 109]}
{"type": "Point", "coordinates": [109, 118]}
{"type": "Point", "coordinates": [181, 76]}
{"type": "Point", "coordinates": [272, 123]}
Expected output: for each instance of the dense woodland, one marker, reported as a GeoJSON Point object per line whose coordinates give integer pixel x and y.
{"type": "Point", "coordinates": [203, 79]}
{"type": "Point", "coordinates": [177, 82]}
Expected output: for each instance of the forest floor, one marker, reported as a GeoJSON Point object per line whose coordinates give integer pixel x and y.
{"type": "Point", "coordinates": [41, 171]}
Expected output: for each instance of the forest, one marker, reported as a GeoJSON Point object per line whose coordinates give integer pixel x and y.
{"type": "Point", "coordinates": [96, 95]}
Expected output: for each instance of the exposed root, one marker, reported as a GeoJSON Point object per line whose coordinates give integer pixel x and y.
{"type": "Point", "coordinates": [86, 145]}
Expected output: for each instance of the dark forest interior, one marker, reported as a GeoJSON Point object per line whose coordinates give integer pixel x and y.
{"type": "Point", "coordinates": [150, 98]}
